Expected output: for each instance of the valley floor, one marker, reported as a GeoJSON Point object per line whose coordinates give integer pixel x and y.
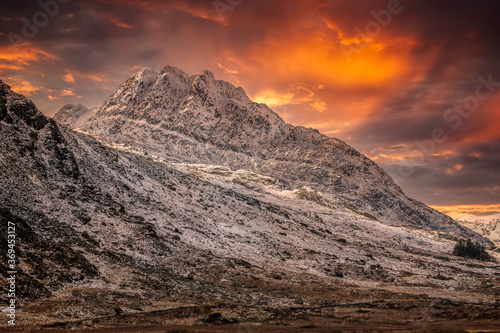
{"type": "Point", "coordinates": [343, 308]}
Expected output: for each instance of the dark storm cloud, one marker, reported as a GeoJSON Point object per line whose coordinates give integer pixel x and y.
{"type": "Point", "coordinates": [470, 175]}
{"type": "Point", "coordinates": [467, 40]}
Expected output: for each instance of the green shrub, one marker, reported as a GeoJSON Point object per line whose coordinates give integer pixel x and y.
{"type": "Point", "coordinates": [467, 249]}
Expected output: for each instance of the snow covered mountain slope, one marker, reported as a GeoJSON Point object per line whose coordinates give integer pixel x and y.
{"type": "Point", "coordinates": [198, 119]}
{"type": "Point", "coordinates": [104, 231]}
{"type": "Point", "coordinates": [490, 230]}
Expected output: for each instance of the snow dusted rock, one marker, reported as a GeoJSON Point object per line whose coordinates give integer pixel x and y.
{"type": "Point", "coordinates": [490, 230]}
{"type": "Point", "coordinates": [74, 116]}
{"type": "Point", "coordinates": [104, 228]}
{"type": "Point", "coordinates": [198, 119]}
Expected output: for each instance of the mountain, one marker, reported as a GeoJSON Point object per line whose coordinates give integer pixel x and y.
{"type": "Point", "coordinates": [74, 116]}
{"type": "Point", "coordinates": [110, 235]}
{"type": "Point", "coordinates": [490, 230]}
{"type": "Point", "coordinates": [198, 119]}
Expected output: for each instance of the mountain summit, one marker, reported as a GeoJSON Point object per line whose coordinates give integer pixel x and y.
{"type": "Point", "coordinates": [198, 119]}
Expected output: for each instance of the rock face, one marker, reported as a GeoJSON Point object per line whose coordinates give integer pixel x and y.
{"type": "Point", "coordinates": [198, 119]}
{"type": "Point", "coordinates": [35, 159]}
{"type": "Point", "coordinates": [16, 109]}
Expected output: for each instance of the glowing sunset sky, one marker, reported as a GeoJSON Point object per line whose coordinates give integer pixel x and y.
{"type": "Point", "coordinates": [411, 84]}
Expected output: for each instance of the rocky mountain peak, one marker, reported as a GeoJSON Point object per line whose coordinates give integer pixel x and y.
{"type": "Point", "coordinates": [206, 75]}
{"type": "Point", "coordinates": [74, 116]}
{"type": "Point", "coordinates": [15, 108]}
{"type": "Point", "coordinates": [219, 90]}
{"type": "Point", "coordinates": [175, 72]}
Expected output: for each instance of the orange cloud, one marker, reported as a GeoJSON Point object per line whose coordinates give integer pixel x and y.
{"type": "Point", "coordinates": [457, 167]}
{"type": "Point", "coordinates": [137, 68]}
{"type": "Point", "coordinates": [67, 92]}
{"type": "Point", "coordinates": [5, 67]}
{"type": "Point", "coordinates": [92, 77]}
{"type": "Point", "coordinates": [95, 78]}
{"type": "Point", "coordinates": [117, 21]}
{"type": "Point", "coordinates": [227, 70]}
{"type": "Point", "coordinates": [203, 12]}
{"type": "Point", "coordinates": [317, 58]}
{"type": "Point", "coordinates": [25, 54]}
{"type": "Point", "coordinates": [68, 77]}
{"type": "Point", "coordinates": [469, 211]}
{"type": "Point", "coordinates": [56, 95]}
{"type": "Point", "coordinates": [319, 106]}
{"type": "Point", "coordinates": [273, 98]}
{"type": "Point", "coordinates": [22, 87]}
{"type": "Point", "coordinates": [296, 94]}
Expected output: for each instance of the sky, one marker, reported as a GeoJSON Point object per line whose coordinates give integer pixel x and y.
{"type": "Point", "coordinates": [412, 84]}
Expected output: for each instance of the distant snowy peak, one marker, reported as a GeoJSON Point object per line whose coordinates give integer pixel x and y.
{"type": "Point", "coordinates": [74, 116]}
{"type": "Point", "coordinates": [490, 230]}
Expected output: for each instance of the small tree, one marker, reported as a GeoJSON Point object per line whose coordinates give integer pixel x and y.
{"type": "Point", "coordinates": [467, 249]}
